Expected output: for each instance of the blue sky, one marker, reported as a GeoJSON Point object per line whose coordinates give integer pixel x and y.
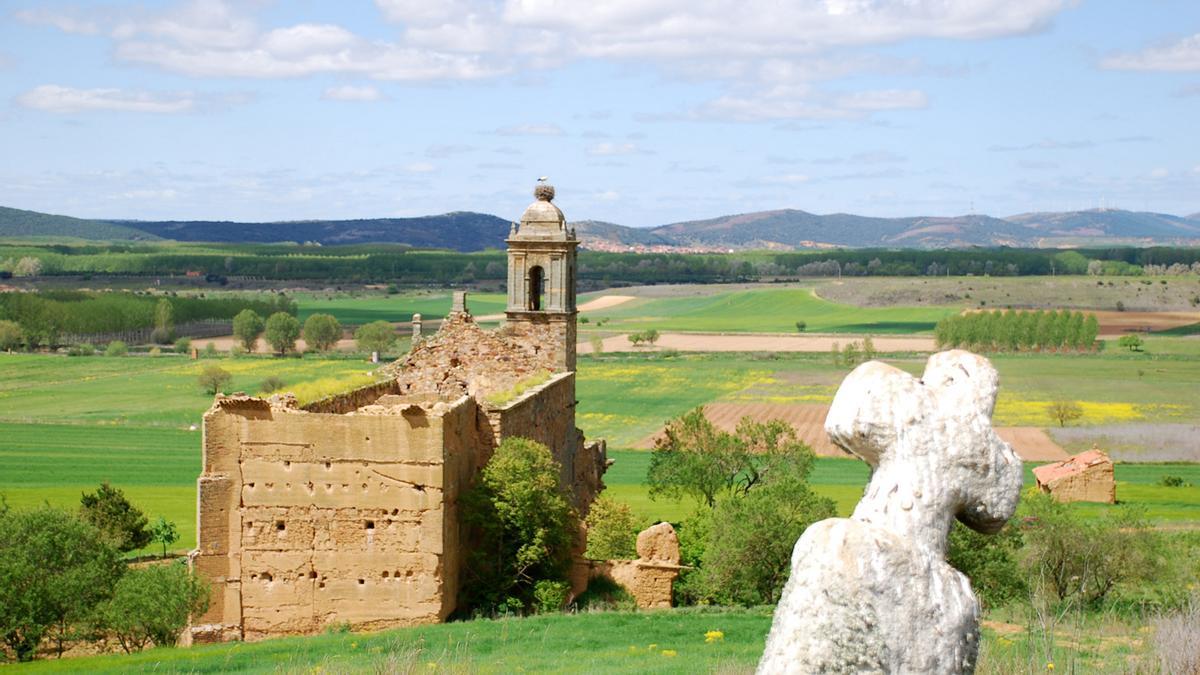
{"type": "Point", "coordinates": [642, 112]}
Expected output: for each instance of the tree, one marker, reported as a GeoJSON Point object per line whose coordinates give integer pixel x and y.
{"type": "Point", "coordinates": [322, 331]}
{"type": "Point", "coordinates": [11, 335]}
{"type": "Point", "coordinates": [183, 345]}
{"type": "Point", "coordinates": [28, 267]}
{"type": "Point", "coordinates": [54, 569]}
{"type": "Point", "coordinates": [213, 379]}
{"type": "Point", "coordinates": [152, 604]}
{"type": "Point", "coordinates": [525, 527]}
{"type": "Point", "coordinates": [1064, 411]}
{"type": "Point", "coordinates": [164, 532]}
{"type": "Point", "coordinates": [164, 322]}
{"type": "Point", "coordinates": [282, 330]}
{"type": "Point", "coordinates": [247, 326]}
{"type": "Point", "coordinates": [612, 530]}
{"type": "Point", "coordinates": [651, 336]}
{"type": "Point", "coordinates": [377, 336]}
{"type": "Point", "coordinates": [116, 348]}
{"type": "Point", "coordinates": [121, 523]}
{"type": "Point", "coordinates": [1132, 342]}
{"type": "Point", "coordinates": [801, 326]}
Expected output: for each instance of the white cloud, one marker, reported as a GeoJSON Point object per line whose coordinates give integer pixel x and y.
{"type": "Point", "coordinates": [352, 92]}
{"type": "Point", "coordinates": [1182, 55]}
{"type": "Point", "coordinates": [1159, 172]}
{"type": "Point", "coordinates": [419, 167]}
{"type": "Point", "coordinates": [68, 21]}
{"type": "Point", "coordinates": [54, 98]}
{"type": "Point", "coordinates": [612, 149]}
{"type": "Point", "coordinates": [530, 130]}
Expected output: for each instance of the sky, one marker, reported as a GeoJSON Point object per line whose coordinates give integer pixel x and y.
{"type": "Point", "coordinates": [641, 112]}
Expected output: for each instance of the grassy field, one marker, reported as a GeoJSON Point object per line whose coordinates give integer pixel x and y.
{"type": "Point", "coordinates": [659, 642]}
{"type": "Point", "coordinates": [360, 309]}
{"type": "Point", "coordinates": [766, 310]}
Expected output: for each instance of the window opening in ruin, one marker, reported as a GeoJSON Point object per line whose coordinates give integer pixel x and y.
{"type": "Point", "coordinates": [537, 288]}
{"type": "Point", "coordinates": [370, 524]}
{"type": "Point", "coordinates": [280, 525]}
{"type": "Point", "coordinates": [361, 582]}
{"type": "Point", "coordinates": [266, 576]}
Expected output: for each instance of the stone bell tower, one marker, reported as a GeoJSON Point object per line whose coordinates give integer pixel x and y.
{"type": "Point", "coordinates": [541, 278]}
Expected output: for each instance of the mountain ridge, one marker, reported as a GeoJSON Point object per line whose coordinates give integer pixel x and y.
{"type": "Point", "coordinates": [778, 229]}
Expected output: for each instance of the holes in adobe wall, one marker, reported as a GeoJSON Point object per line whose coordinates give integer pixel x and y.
{"type": "Point", "coordinates": [370, 525]}
{"type": "Point", "coordinates": [362, 582]}
{"type": "Point", "coordinates": [280, 526]}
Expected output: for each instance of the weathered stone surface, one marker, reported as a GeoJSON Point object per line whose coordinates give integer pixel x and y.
{"type": "Point", "coordinates": [873, 592]}
{"type": "Point", "coordinates": [1086, 477]}
{"type": "Point", "coordinates": [658, 544]}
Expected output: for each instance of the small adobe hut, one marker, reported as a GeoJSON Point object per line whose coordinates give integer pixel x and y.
{"type": "Point", "coordinates": [1086, 477]}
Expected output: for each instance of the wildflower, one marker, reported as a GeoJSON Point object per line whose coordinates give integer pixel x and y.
{"type": "Point", "coordinates": [713, 636]}
{"type": "Point", "coordinates": [353, 645]}
{"type": "Point", "coordinates": [1050, 666]}
{"type": "Point", "coordinates": [652, 647]}
{"type": "Point", "coordinates": [669, 652]}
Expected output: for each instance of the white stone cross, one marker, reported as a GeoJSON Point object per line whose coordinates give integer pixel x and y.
{"type": "Point", "coordinates": [873, 593]}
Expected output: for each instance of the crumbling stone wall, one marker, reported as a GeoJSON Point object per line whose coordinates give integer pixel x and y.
{"type": "Point", "coordinates": [1086, 477]}
{"type": "Point", "coordinates": [312, 519]}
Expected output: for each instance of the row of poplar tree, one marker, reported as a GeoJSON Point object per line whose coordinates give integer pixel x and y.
{"type": "Point", "coordinates": [1015, 330]}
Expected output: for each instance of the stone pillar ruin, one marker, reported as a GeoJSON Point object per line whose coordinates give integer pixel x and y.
{"type": "Point", "coordinates": [416, 327]}
{"type": "Point", "coordinates": [873, 592]}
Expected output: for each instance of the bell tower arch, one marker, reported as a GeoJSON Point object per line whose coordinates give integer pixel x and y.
{"type": "Point", "coordinates": [541, 277]}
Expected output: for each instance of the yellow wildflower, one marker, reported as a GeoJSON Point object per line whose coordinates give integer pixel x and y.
{"type": "Point", "coordinates": [714, 636]}
{"type": "Point", "coordinates": [1050, 666]}
{"type": "Point", "coordinates": [353, 645]}
{"type": "Point", "coordinates": [652, 647]}
{"type": "Point", "coordinates": [669, 652]}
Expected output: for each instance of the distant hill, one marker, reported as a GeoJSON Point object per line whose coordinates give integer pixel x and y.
{"type": "Point", "coordinates": [20, 223]}
{"type": "Point", "coordinates": [460, 230]}
{"type": "Point", "coordinates": [784, 229]}
{"type": "Point", "coordinates": [1110, 223]}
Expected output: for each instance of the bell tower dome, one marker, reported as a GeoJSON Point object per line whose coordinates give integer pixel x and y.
{"type": "Point", "coordinates": [541, 276]}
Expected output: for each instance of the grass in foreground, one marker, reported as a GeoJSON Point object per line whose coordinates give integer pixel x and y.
{"type": "Point", "coordinates": [668, 641]}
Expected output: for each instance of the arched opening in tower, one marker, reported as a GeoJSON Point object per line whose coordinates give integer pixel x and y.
{"type": "Point", "coordinates": [537, 288]}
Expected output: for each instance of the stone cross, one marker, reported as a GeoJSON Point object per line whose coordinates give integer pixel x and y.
{"type": "Point", "coordinates": [873, 592]}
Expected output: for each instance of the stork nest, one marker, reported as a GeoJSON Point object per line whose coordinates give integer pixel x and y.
{"type": "Point", "coordinates": [544, 192]}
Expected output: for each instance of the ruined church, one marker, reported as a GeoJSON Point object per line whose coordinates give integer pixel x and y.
{"type": "Point", "coordinates": [346, 511]}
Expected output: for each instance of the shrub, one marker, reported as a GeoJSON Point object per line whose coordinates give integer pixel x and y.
{"type": "Point", "coordinates": [550, 596]}
{"type": "Point", "coordinates": [54, 569]}
{"type": "Point", "coordinates": [1172, 481]}
{"type": "Point", "coordinates": [1084, 560]}
{"type": "Point", "coordinates": [597, 345]}
{"type": "Point", "coordinates": [210, 350]}
{"type": "Point", "coordinates": [152, 604]}
{"type": "Point", "coordinates": [282, 331]}
{"type": "Point", "coordinates": [155, 351]}
{"type": "Point", "coordinates": [81, 349]}
{"type": "Point", "coordinates": [801, 326]}
{"type": "Point", "coordinates": [214, 378]}
{"type": "Point", "coordinates": [162, 336]}
{"type": "Point", "coordinates": [377, 336]}
{"type": "Point", "coordinates": [164, 532]}
{"type": "Point", "coordinates": [121, 523]}
{"type": "Point", "coordinates": [1131, 342]}
{"type": "Point", "coordinates": [1177, 639]}
{"type": "Point", "coordinates": [524, 525]}
{"type": "Point", "coordinates": [612, 531]}
{"type": "Point", "coordinates": [11, 335]}
{"type": "Point", "coordinates": [247, 326]}
{"type": "Point", "coordinates": [991, 562]}
{"type": "Point", "coordinates": [183, 345]}
{"type": "Point", "coordinates": [322, 331]}
{"type": "Point", "coordinates": [164, 322]}
{"type": "Point", "coordinates": [273, 383]}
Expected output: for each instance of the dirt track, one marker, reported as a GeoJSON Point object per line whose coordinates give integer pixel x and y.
{"type": "Point", "coordinates": [711, 342]}
{"type": "Point", "coordinates": [808, 419]}
{"type": "Point", "coordinates": [1116, 324]}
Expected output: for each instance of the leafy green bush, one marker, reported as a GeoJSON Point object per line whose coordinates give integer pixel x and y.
{"type": "Point", "coordinates": [164, 532]}
{"type": "Point", "coordinates": [271, 384]}
{"type": "Point", "coordinates": [1077, 559]}
{"type": "Point", "coordinates": [550, 596]}
{"type": "Point", "coordinates": [991, 562]}
{"type": "Point", "coordinates": [116, 348]}
{"type": "Point", "coordinates": [755, 503]}
{"type": "Point", "coordinates": [524, 526]}
{"type": "Point", "coordinates": [11, 335]}
{"type": "Point", "coordinates": [121, 523]}
{"type": "Point", "coordinates": [54, 569]}
{"type": "Point", "coordinates": [183, 345]}
{"type": "Point", "coordinates": [612, 530]}
{"type": "Point", "coordinates": [152, 604]}
{"type": "Point", "coordinates": [81, 349]}
{"type": "Point", "coordinates": [1173, 481]}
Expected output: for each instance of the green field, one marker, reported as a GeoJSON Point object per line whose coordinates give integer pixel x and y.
{"type": "Point", "coordinates": [767, 311]}
{"type": "Point", "coordinates": [357, 310]}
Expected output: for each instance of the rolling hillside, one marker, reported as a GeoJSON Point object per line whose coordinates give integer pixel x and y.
{"type": "Point", "coordinates": [17, 223]}
{"type": "Point", "coordinates": [784, 229]}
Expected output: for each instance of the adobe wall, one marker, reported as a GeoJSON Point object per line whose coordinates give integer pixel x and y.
{"type": "Point", "coordinates": [310, 519]}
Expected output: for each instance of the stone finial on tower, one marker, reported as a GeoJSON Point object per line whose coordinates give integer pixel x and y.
{"type": "Point", "coordinates": [416, 327]}
{"type": "Point", "coordinates": [459, 305]}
